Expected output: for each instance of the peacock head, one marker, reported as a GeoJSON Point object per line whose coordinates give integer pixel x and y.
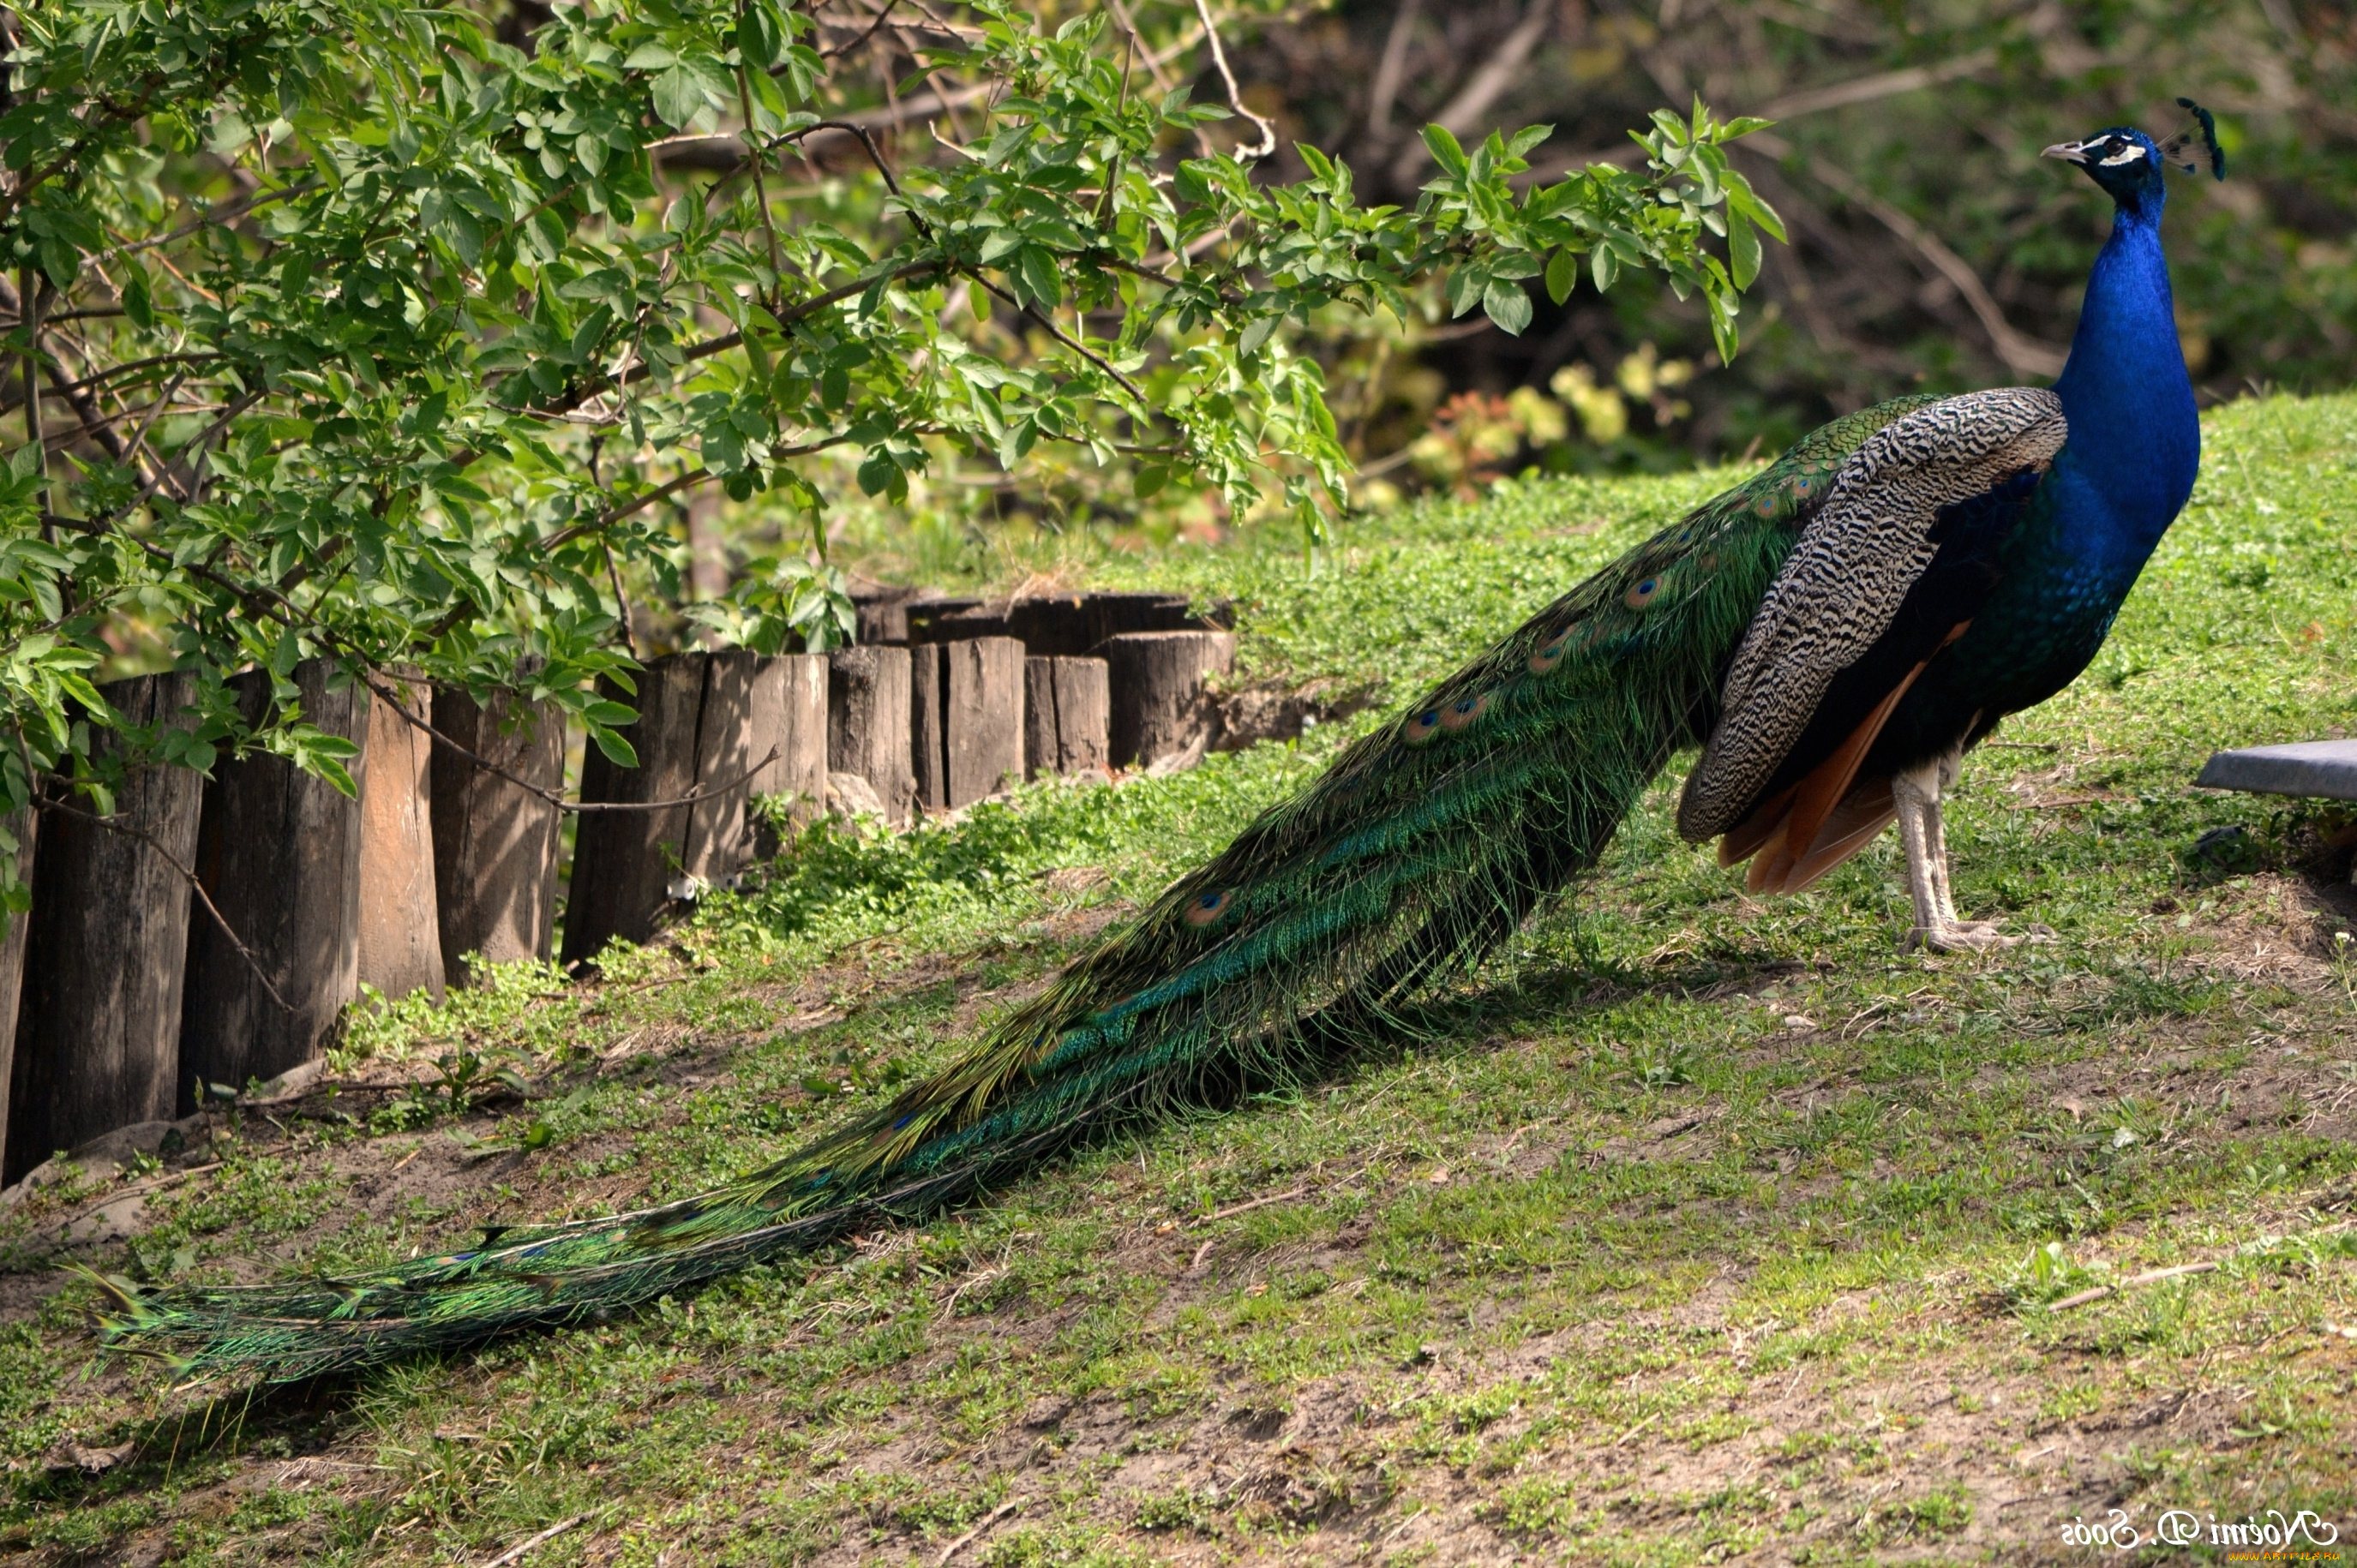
{"type": "Point", "coordinates": [2126, 163]}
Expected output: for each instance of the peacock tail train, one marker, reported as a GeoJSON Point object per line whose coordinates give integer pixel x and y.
{"type": "Point", "coordinates": [1422, 847]}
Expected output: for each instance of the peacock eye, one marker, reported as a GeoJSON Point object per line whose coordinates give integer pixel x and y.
{"type": "Point", "coordinates": [1465, 712]}
{"type": "Point", "coordinates": [1638, 597]}
{"type": "Point", "coordinates": [1424, 726]}
{"type": "Point", "coordinates": [1203, 911]}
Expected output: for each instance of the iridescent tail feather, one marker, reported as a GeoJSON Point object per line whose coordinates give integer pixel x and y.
{"type": "Point", "coordinates": [1413, 855]}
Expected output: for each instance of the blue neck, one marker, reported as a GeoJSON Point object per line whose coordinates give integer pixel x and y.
{"type": "Point", "coordinates": [2135, 443]}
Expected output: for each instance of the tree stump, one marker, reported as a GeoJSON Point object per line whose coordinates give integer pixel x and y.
{"type": "Point", "coordinates": [401, 940]}
{"type": "Point", "coordinates": [24, 828]}
{"type": "Point", "coordinates": [1161, 706]}
{"type": "Point", "coordinates": [622, 861]}
{"type": "Point", "coordinates": [966, 719]}
{"type": "Point", "coordinates": [719, 835]}
{"type": "Point", "coordinates": [97, 1025]}
{"type": "Point", "coordinates": [1067, 717]}
{"type": "Point", "coordinates": [279, 851]}
{"type": "Point", "coordinates": [495, 847]}
{"type": "Point", "coordinates": [790, 717]}
{"type": "Point", "coordinates": [867, 724]}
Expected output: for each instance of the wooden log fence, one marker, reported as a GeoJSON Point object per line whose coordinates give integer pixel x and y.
{"type": "Point", "coordinates": [867, 724]}
{"type": "Point", "coordinates": [400, 932]}
{"type": "Point", "coordinates": [120, 992]}
{"type": "Point", "coordinates": [97, 1024]}
{"type": "Point", "coordinates": [495, 847]}
{"type": "Point", "coordinates": [623, 861]}
{"type": "Point", "coordinates": [1067, 717]}
{"type": "Point", "coordinates": [966, 719]}
{"type": "Point", "coordinates": [278, 851]}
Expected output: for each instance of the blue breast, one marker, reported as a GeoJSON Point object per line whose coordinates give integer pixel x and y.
{"type": "Point", "coordinates": [2121, 478]}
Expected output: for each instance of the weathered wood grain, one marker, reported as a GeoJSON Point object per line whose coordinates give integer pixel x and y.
{"type": "Point", "coordinates": [1161, 707]}
{"type": "Point", "coordinates": [622, 861]}
{"type": "Point", "coordinates": [1067, 717]}
{"type": "Point", "coordinates": [867, 724]}
{"type": "Point", "coordinates": [98, 1023]}
{"type": "Point", "coordinates": [400, 935]}
{"type": "Point", "coordinates": [495, 845]}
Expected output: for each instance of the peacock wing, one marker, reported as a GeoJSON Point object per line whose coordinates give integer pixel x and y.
{"type": "Point", "coordinates": [1844, 585]}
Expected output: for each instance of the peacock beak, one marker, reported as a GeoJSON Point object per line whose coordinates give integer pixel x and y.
{"type": "Point", "coordinates": [2069, 152]}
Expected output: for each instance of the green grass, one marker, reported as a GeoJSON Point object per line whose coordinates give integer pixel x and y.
{"type": "Point", "coordinates": [1701, 1229]}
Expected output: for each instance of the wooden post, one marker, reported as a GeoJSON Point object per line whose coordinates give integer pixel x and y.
{"type": "Point", "coordinates": [1067, 717]}
{"type": "Point", "coordinates": [719, 839]}
{"type": "Point", "coordinates": [622, 860]}
{"type": "Point", "coordinates": [928, 752]}
{"type": "Point", "coordinates": [24, 828]}
{"type": "Point", "coordinates": [789, 717]}
{"type": "Point", "coordinates": [98, 1027]}
{"type": "Point", "coordinates": [982, 717]}
{"type": "Point", "coordinates": [867, 724]}
{"type": "Point", "coordinates": [495, 847]}
{"type": "Point", "coordinates": [401, 941]}
{"type": "Point", "coordinates": [279, 851]}
{"type": "Point", "coordinates": [1161, 707]}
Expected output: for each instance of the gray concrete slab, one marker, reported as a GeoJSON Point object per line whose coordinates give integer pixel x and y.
{"type": "Point", "coordinates": [2325, 769]}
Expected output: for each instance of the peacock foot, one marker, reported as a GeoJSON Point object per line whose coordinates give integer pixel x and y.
{"type": "Point", "coordinates": [1960, 936]}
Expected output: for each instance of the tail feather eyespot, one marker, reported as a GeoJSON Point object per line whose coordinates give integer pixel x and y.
{"type": "Point", "coordinates": [1422, 727]}
{"type": "Point", "coordinates": [1646, 590]}
{"type": "Point", "coordinates": [1464, 711]}
{"type": "Point", "coordinates": [1207, 907]}
{"type": "Point", "coordinates": [1550, 653]}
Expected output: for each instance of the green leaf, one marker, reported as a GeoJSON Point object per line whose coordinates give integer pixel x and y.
{"type": "Point", "coordinates": [617, 750]}
{"type": "Point", "coordinates": [1529, 136]}
{"type": "Point", "coordinates": [1253, 336]}
{"type": "Point", "coordinates": [1604, 267]}
{"type": "Point", "coordinates": [1446, 150]}
{"type": "Point", "coordinates": [1562, 274]}
{"type": "Point", "coordinates": [1507, 304]}
{"type": "Point", "coordinates": [678, 95]}
{"type": "Point", "coordinates": [1743, 251]}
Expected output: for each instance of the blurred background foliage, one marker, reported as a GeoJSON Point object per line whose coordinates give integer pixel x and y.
{"type": "Point", "coordinates": [1931, 247]}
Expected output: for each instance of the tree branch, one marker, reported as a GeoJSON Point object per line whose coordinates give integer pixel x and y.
{"type": "Point", "coordinates": [1491, 82]}
{"type": "Point", "coordinates": [551, 797]}
{"type": "Point", "coordinates": [1236, 99]}
{"type": "Point", "coordinates": [2022, 354]}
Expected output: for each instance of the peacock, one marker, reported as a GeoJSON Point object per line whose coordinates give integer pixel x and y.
{"type": "Point", "coordinates": [1834, 633]}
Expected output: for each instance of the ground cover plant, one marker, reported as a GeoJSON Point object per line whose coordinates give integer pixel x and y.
{"type": "Point", "coordinates": [1691, 1228]}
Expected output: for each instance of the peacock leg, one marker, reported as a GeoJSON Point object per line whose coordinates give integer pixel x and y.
{"type": "Point", "coordinates": [1916, 793]}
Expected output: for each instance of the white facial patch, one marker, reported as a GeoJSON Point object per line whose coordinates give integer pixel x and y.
{"type": "Point", "coordinates": [2127, 154]}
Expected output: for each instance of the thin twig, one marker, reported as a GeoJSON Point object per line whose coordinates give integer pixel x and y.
{"type": "Point", "coordinates": [1099, 361]}
{"type": "Point", "coordinates": [963, 1542]}
{"type": "Point", "coordinates": [701, 792]}
{"type": "Point", "coordinates": [159, 1185]}
{"type": "Point", "coordinates": [1488, 83]}
{"type": "Point", "coordinates": [881, 17]}
{"type": "Point", "coordinates": [1235, 1208]}
{"type": "Point", "coordinates": [2021, 353]}
{"type": "Point", "coordinates": [187, 875]}
{"type": "Point", "coordinates": [516, 1551]}
{"type": "Point", "coordinates": [2150, 1276]}
{"type": "Point", "coordinates": [1235, 98]}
